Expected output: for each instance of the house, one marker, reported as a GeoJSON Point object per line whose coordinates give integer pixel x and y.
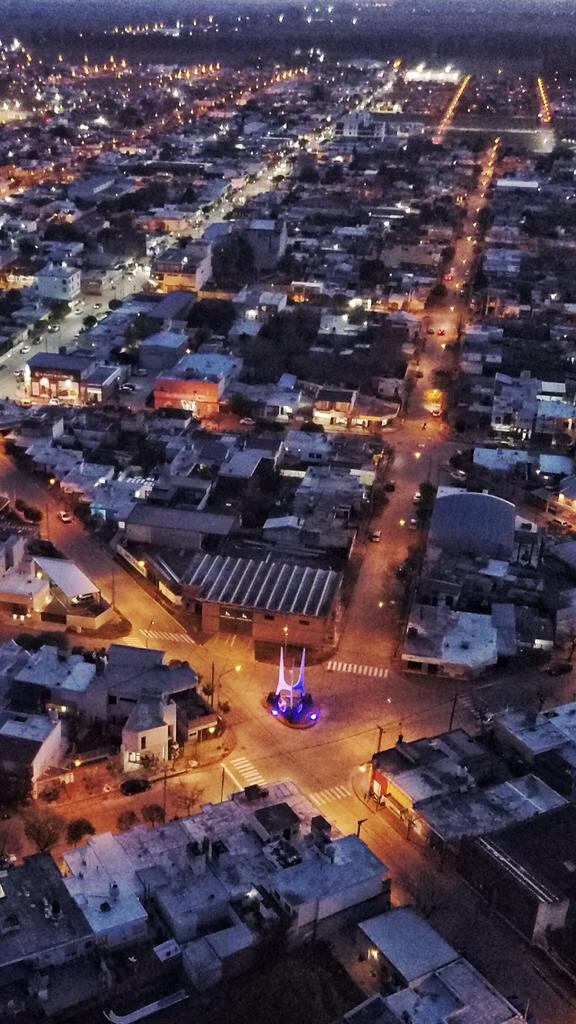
{"type": "Point", "coordinates": [268, 240]}
{"type": "Point", "coordinates": [260, 864]}
{"type": "Point", "coordinates": [58, 378]}
{"type": "Point", "coordinates": [438, 788]}
{"type": "Point", "coordinates": [196, 383]}
{"type": "Point", "coordinates": [456, 991]}
{"type": "Point", "coordinates": [42, 926]}
{"type": "Point", "coordinates": [183, 269]}
{"type": "Point", "coordinates": [526, 872]}
{"type": "Point", "coordinates": [59, 283]}
{"type": "Point", "coordinates": [150, 730]}
{"type": "Point", "coordinates": [175, 528]}
{"type": "Point", "coordinates": [403, 946]}
{"type": "Point", "coordinates": [162, 350]}
{"type": "Point", "coordinates": [270, 601]}
{"type": "Point", "coordinates": [29, 746]}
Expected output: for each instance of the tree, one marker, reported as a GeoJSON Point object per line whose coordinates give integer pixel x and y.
{"type": "Point", "coordinates": [59, 310]}
{"type": "Point", "coordinates": [216, 314]}
{"type": "Point", "coordinates": [115, 304]}
{"type": "Point", "coordinates": [187, 797]}
{"type": "Point", "coordinates": [334, 174]}
{"type": "Point", "coordinates": [309, 175]}
{"type": "Point", "coordinates": [78, 828]}
{"type": "Point", "coordinates": [126, 820]}
{"type": "Point", "coordinates": [240, 405]}
{"type": "Point", "coordinates": [437, 296]}
{"type": "Point", "coordinates": [233, 261]}
{"type": "Point", "coordinates": [10, 841]}
{"type": "Point", "coordinates": [153, 814]}
{"type": "Point", "coordinates": [43, 828]}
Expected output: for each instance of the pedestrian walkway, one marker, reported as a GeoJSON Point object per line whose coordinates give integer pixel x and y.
{"type": "Point", "coordinates": [242, 766]}
{"type": "Point", "coordinates": [326, 796]}
{"type": "Point", "coordinates": [375, 671]}
{"type": "Point", "coordinates": [177, 638]}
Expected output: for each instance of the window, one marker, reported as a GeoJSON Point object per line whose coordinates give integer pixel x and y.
{"type": "Point", "coordinates": [269, 617]}
{"type": "Point", "coordinates": [304, 622]}
{"type": "Point", "coordinates": [142, 743]}
{"type": "Point", "coordinates": [111, 699]}
{"type": "Point", "coordinates": [133, 757]}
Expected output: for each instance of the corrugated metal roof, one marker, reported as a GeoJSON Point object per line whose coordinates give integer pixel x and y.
{"type": "Point", "coordinates": [269, 586]}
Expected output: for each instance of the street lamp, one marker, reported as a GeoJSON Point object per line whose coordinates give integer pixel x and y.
{"type": "Point", "coordinates": [150, 624]}
{"type": "Point", "coordinates": [214, 681]}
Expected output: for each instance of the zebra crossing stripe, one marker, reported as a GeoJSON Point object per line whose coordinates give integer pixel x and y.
{"type": "Point", "coordinates": [333, 793]}
{"type": "Point", "coordinates": [373, 671]}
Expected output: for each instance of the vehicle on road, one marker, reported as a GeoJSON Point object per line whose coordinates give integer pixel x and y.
{"type": "Point", "coordinates": [132, 786]}
{"type": "Point", "coordinates": [413, 524]}
{"type": "Point", "coordinates": [375, 536]}
{"type": "Point", "coordinates": [127, 387]}
{"type": "Point", "coordinates": [53, 328]}
{"type": "Point", "coordinates": [38, 341]}
{"type": "Point", "coordinates": [64, 516]}
{"type": "Point", "coordinates": [247, 421]}
{"type": "Point", "coordinates": [436, 413]}
{"type": "Point", "coordinates": [25, 350]}
{"type": "Point", "coordinates": [141, 372]}
{"type": "Point", "coordinates": [417, 498]}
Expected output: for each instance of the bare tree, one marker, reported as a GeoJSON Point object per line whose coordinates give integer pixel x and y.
{"type": "Point", "coordinates": [43, 828]}
{"type": "Point", "coordinates": [153, 814]}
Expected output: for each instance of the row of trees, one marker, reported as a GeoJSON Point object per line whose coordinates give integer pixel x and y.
{"type": "Point", "coordinates": [44, 828]}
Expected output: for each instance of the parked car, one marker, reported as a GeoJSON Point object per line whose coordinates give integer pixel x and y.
{"type": "Point", "coordinates": [247, 421]}
{"type": "Point", "coordinates": [417, 498]}
{"type": "Point", "coordinates": [127, 387]}
{"type": "Point", "coordinates": [375, 536]}
{"type": "Point", "coordinates": [132, 786]}
{"type": "Point", "coordinates": [413, 524]}
{"type": "Point", "coordinates": [25, 350]}
{"type": "Point", "coordinates": [64, 516]}
{"type": "Point", "coordinates": [141, 372]}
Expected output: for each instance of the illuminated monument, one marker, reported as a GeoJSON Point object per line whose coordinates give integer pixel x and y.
{"type": "Point", "coordinates": [290, 701]}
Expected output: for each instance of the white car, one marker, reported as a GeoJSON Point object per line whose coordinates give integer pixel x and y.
{"type": "Point", "coordinates": [64, 517]}
{"type": "Point", "coordinates": [25, 350]}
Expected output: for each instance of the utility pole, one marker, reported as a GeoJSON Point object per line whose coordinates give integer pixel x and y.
{"type": "Point", "coordinates": [47, 513]}
{"type": "Point", "coordinates": [222, 785]}
{"type": "Point", "coordinates": [164, 791]}
{"type": "Point", "coordinates": [453, 711]}
{"type": "Point", "coordinates": [212, 686]}
{"type": "Point", "coordinates": [381, 730]}
{"type": "Point", "coordinates": [361, 821]}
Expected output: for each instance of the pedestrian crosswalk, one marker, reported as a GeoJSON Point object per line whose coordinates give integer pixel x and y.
{"type": "Point", "coordinates": [326, 796]}
{"type": "Point", "coordinates": [242, 766]}
{"type": "Point", "coordinates": [375, 671]}
{"type": "Point", "coordinates": [177, 638]}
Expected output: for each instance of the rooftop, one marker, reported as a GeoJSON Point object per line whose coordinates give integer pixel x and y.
{"type": "Point", "coordinates": [408, 942]}
{"type": "Point", "coordinates": [36, 911]}
{"type": "Point", "coordinates": [539, 854]}
{"type": "Point", "coordinates": [67, 577]}
{"type": "Point", "coordinates": [269, 585]}
{"type": "Point", "coordinates": [50, 667]}
{"type": "Point", "coordinates": [185, 520]}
